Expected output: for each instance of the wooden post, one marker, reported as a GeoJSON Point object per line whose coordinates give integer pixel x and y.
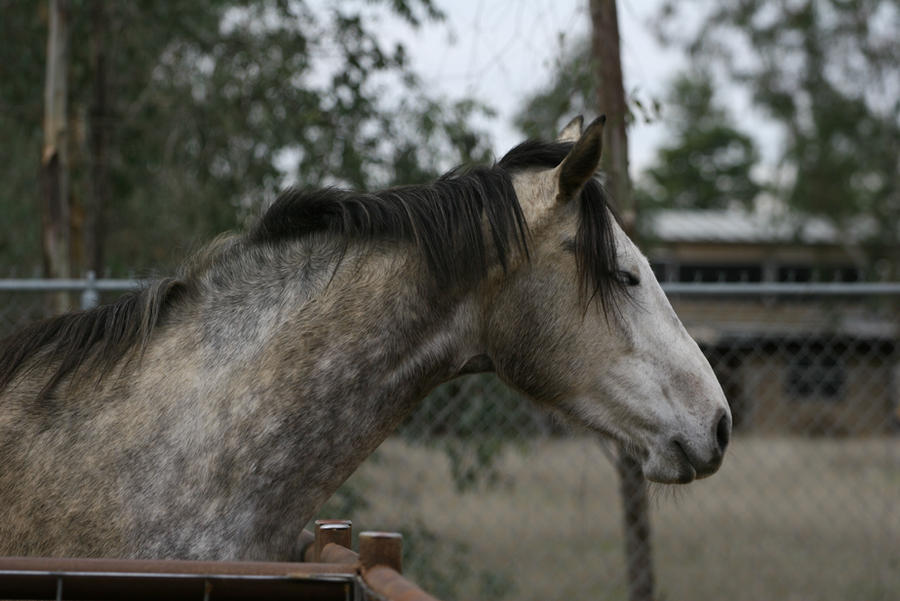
{"type": "Point", "coordinates": [607, 68]}
{"type": "Point", "coordinates": [607, 65]}
{"type": "Point", "coordinates": [55, 214]}
{"type": "Point", "coordinates": [331, 531]}
{"type": "Point", "coordinates": [382, 549]}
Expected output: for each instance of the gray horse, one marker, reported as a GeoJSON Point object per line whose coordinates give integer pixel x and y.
{"type": "Point", "coordinates": [208, 416]}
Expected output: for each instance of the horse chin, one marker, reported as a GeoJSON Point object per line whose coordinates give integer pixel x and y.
{"type": "Point", "coordinates": [668, 469]}
{"type": "Point", "coordinates": [681, 476]}
{"type": "Point", "coordinates": [657, 465]}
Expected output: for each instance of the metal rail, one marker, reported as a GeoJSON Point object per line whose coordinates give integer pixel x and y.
{"type": "Point", "coordinates": [57, 578]}
{"type": "Point", "coordinates": [67, 284]}
{"type": "Point", "coordinates": [93, 285]}
{"type": "Point", "coordinates": [333, 572]}
{"type": "Point", "coordinates": [387, 583]}
{"type": "Point", "coordinates": [379, 562]}
{"type": "Point", "coordinates": [783, 288]}
{"type": "Point", "coordinates": [89, 286]}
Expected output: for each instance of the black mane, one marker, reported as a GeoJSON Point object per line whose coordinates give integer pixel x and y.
{"type": "Point", "coordinates": [444, 220]}
{"type": "Point", "coordinates": [99, 336]}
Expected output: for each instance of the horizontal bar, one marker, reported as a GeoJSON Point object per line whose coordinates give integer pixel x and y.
{"type": "Point", "coordinates": [334, 553]}
{"type": "Point", "coordinates": [387, 583]}
{"type": "Point", "coordinates": [699, 288]}
{"type": "Point", "coordinates": [783, 288]}
{"type": "Point", "coordinates": [168, 566]}
{"type": "Point", "coordinates": [37, 578]}
{"type": "Point", "coordinates": [98, 586]}
{"type": "Point", "coordinates": [62, 284]}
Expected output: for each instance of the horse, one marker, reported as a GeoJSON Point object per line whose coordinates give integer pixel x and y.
{"type": "Point", "coordinates": [209, 415]}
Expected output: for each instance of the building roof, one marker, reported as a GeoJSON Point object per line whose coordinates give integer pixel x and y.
{"type": "Point", "coordinates": [740, 226]}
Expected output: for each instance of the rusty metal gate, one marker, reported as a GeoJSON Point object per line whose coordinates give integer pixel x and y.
{"type": "Point", "coordinates": [331, 571]}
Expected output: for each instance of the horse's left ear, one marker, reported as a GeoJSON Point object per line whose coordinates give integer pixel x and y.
{"type": "Point", "coordinates": [582, 161]}
{"type": "Point", "coordinates": [572, 131]}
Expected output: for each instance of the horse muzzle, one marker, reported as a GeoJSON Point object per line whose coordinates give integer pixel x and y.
{"type": "Point", "coordinates": [682, 458]}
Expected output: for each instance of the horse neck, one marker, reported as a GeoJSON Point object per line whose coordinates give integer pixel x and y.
{"type": "Point", "coordinates": [319, 365]}
{"type": "Point", "coordinates": [371, 319]}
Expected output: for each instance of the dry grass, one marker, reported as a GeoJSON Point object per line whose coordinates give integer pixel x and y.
{"type": "Point", "coordinates": [788, 519]}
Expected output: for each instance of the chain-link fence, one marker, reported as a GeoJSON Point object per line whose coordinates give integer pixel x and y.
{"type": "Point", "coordinates": [498, 500]}
{"type": "Point", "coordinates": [806, 506]}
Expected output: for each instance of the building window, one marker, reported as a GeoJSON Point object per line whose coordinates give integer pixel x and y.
{"type": "Point", "coordinates": [808, 273]}
{"type": "Point", "coordinates": [720, 273]}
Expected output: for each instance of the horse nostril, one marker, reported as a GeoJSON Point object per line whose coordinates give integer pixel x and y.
{"type": "Point", "coordinates": [723, 432]}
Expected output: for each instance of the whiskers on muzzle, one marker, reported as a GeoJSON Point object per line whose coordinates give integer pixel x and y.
{"type": "Point", "coordinates": [659, 494]}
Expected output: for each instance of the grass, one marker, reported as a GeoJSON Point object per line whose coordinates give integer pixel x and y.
{"type": "Point", "coordinates": [792, 519]}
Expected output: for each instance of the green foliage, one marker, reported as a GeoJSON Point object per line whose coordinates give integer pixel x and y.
{"type": "Point", "coordinates": [826, 71]}
{"type": "Point", "coordinates": [212, 102]}
{"type": "Point", "coordinates": [572, 91]}
{"type": "Point", "coordinates": [708, 163]}
{"type": "Point", "coordinates": [473, 419]}
{"type": "Point", "coordinates": [21, 110]}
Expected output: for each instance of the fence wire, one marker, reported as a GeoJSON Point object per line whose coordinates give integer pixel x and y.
{"type": "Point", "coordinates": [806, 506]}
{"type": "Point", "coordinates": [499, 500]}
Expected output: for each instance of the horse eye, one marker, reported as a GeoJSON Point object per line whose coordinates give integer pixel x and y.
{"type": "Point", "coordinates": [627, 278]}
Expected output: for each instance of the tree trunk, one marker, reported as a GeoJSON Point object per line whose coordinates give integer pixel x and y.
{"type": "Point", "coordinates": [55, 235]}
{"type": "Point", "coordinates": [94, 231]}
{"type": "Point", "coordinates": [607, 67]}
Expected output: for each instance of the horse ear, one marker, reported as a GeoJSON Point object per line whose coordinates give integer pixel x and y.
{"type": "Point", "coordinates": [572, 131]}
{"type": "Point", "coordinates": [582, 161]}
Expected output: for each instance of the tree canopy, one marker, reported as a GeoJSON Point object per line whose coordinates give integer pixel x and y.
{"type": "Point", "coordinates": [826, 72]}
{"type": "Point", "coordinates": [570, 91]}
{"type": "Point", "coordinates": [708, 163]}
{"type": "Point", "coordinates": [214, 105]}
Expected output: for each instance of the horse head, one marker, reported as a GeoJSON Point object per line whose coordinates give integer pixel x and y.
{"type": "Point", "coordinates": [583, 326]}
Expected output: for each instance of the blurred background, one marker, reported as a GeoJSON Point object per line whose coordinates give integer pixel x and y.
{"type": "Point", "coordinates": [753, 153]}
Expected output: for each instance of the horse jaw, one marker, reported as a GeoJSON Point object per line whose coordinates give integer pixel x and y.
{"type": "Point", "coordinates": [655, 392]}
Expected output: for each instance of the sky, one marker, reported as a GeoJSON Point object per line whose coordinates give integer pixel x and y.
{"type": "Point", "coordinates": [500, 51]}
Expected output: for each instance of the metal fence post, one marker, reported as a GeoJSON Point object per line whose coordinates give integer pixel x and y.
{"type": "Point", "coordinates": [381, 548]}
{"type": "Point", "coordinates": [636, 518]}
{"type": "Point", "coordinates": [331, 531]}
{"type": "Point", "coordinates": [90, 296]}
